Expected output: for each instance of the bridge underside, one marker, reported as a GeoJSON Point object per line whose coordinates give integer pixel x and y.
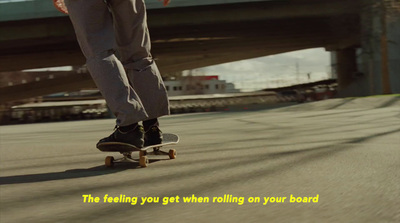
{"type": "Point", "coordinates": [187, 38]}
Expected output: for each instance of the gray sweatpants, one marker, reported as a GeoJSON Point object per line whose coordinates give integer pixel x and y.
{"type": "Point", "coordinates": [132, 85]}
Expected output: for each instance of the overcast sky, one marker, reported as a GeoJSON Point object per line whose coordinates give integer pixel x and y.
{"type": "Point", "coordinates": [274, 71]}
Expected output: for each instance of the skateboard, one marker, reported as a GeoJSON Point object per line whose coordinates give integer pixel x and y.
{"type": "Point", "coordinates": [144, 153]}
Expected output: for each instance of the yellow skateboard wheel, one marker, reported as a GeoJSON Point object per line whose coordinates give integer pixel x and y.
{"type": "Point", "coordinates": [109, 161]}
{"type": "Point", "coordinates": [172, 154]}
{"type": "Point", "coordinates": [143, 161]}
{"type": "Point", "coordinates": [142, 153]}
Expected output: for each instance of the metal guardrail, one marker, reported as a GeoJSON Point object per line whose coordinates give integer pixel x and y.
{"type": "Point", "coordinates": [181, 104]}
{"type": "Point", "coordinates": [83, 109]}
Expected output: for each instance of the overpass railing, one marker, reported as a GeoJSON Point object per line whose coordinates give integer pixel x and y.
{"type": "Point", "coordinates": [11, 10]}
{"type": "Point", "coordinates": [94, 109]}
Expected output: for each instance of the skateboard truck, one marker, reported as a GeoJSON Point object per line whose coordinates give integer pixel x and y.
{"type": "Point", "coordinates": [143, 159]}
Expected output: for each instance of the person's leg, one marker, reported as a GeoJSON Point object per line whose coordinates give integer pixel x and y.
{"type": "Point", "coordinates": [93, 26]}
{"type": "Point", "coordinates": [133, 41]}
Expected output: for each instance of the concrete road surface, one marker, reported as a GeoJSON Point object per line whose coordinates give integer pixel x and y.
{"type": "Point", "coordinates": [330, 161]}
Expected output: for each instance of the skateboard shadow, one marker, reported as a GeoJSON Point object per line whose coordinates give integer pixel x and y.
{"type": "Point", "coordinates": [68, 174]}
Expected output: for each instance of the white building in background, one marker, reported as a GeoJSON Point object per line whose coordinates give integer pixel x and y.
{"type": "Point", "coordinates": [192, 85]}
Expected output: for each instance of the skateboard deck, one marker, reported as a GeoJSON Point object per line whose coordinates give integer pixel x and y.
{"type": "Point", "coordinates": [144, 154]}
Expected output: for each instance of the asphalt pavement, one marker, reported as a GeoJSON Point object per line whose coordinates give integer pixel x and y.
{"type": "Point", "coordinates": [331, 161]}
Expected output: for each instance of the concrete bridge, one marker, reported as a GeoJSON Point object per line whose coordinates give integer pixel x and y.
{"type": "Point", "coordinates": [190, 34]}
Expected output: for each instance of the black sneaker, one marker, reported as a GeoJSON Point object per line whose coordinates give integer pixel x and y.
{"type": "Point", "coordinates": [153, 136]}
{"type": "Point", "coordinates": [133, 137]}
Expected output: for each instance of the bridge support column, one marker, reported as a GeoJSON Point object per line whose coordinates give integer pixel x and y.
{"type": "Point", "coordinates": [346, 68]}
{"type": "Point", "coordinates": [375, 67]}
{"type": "Point", "coordinates": [380, 58]}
